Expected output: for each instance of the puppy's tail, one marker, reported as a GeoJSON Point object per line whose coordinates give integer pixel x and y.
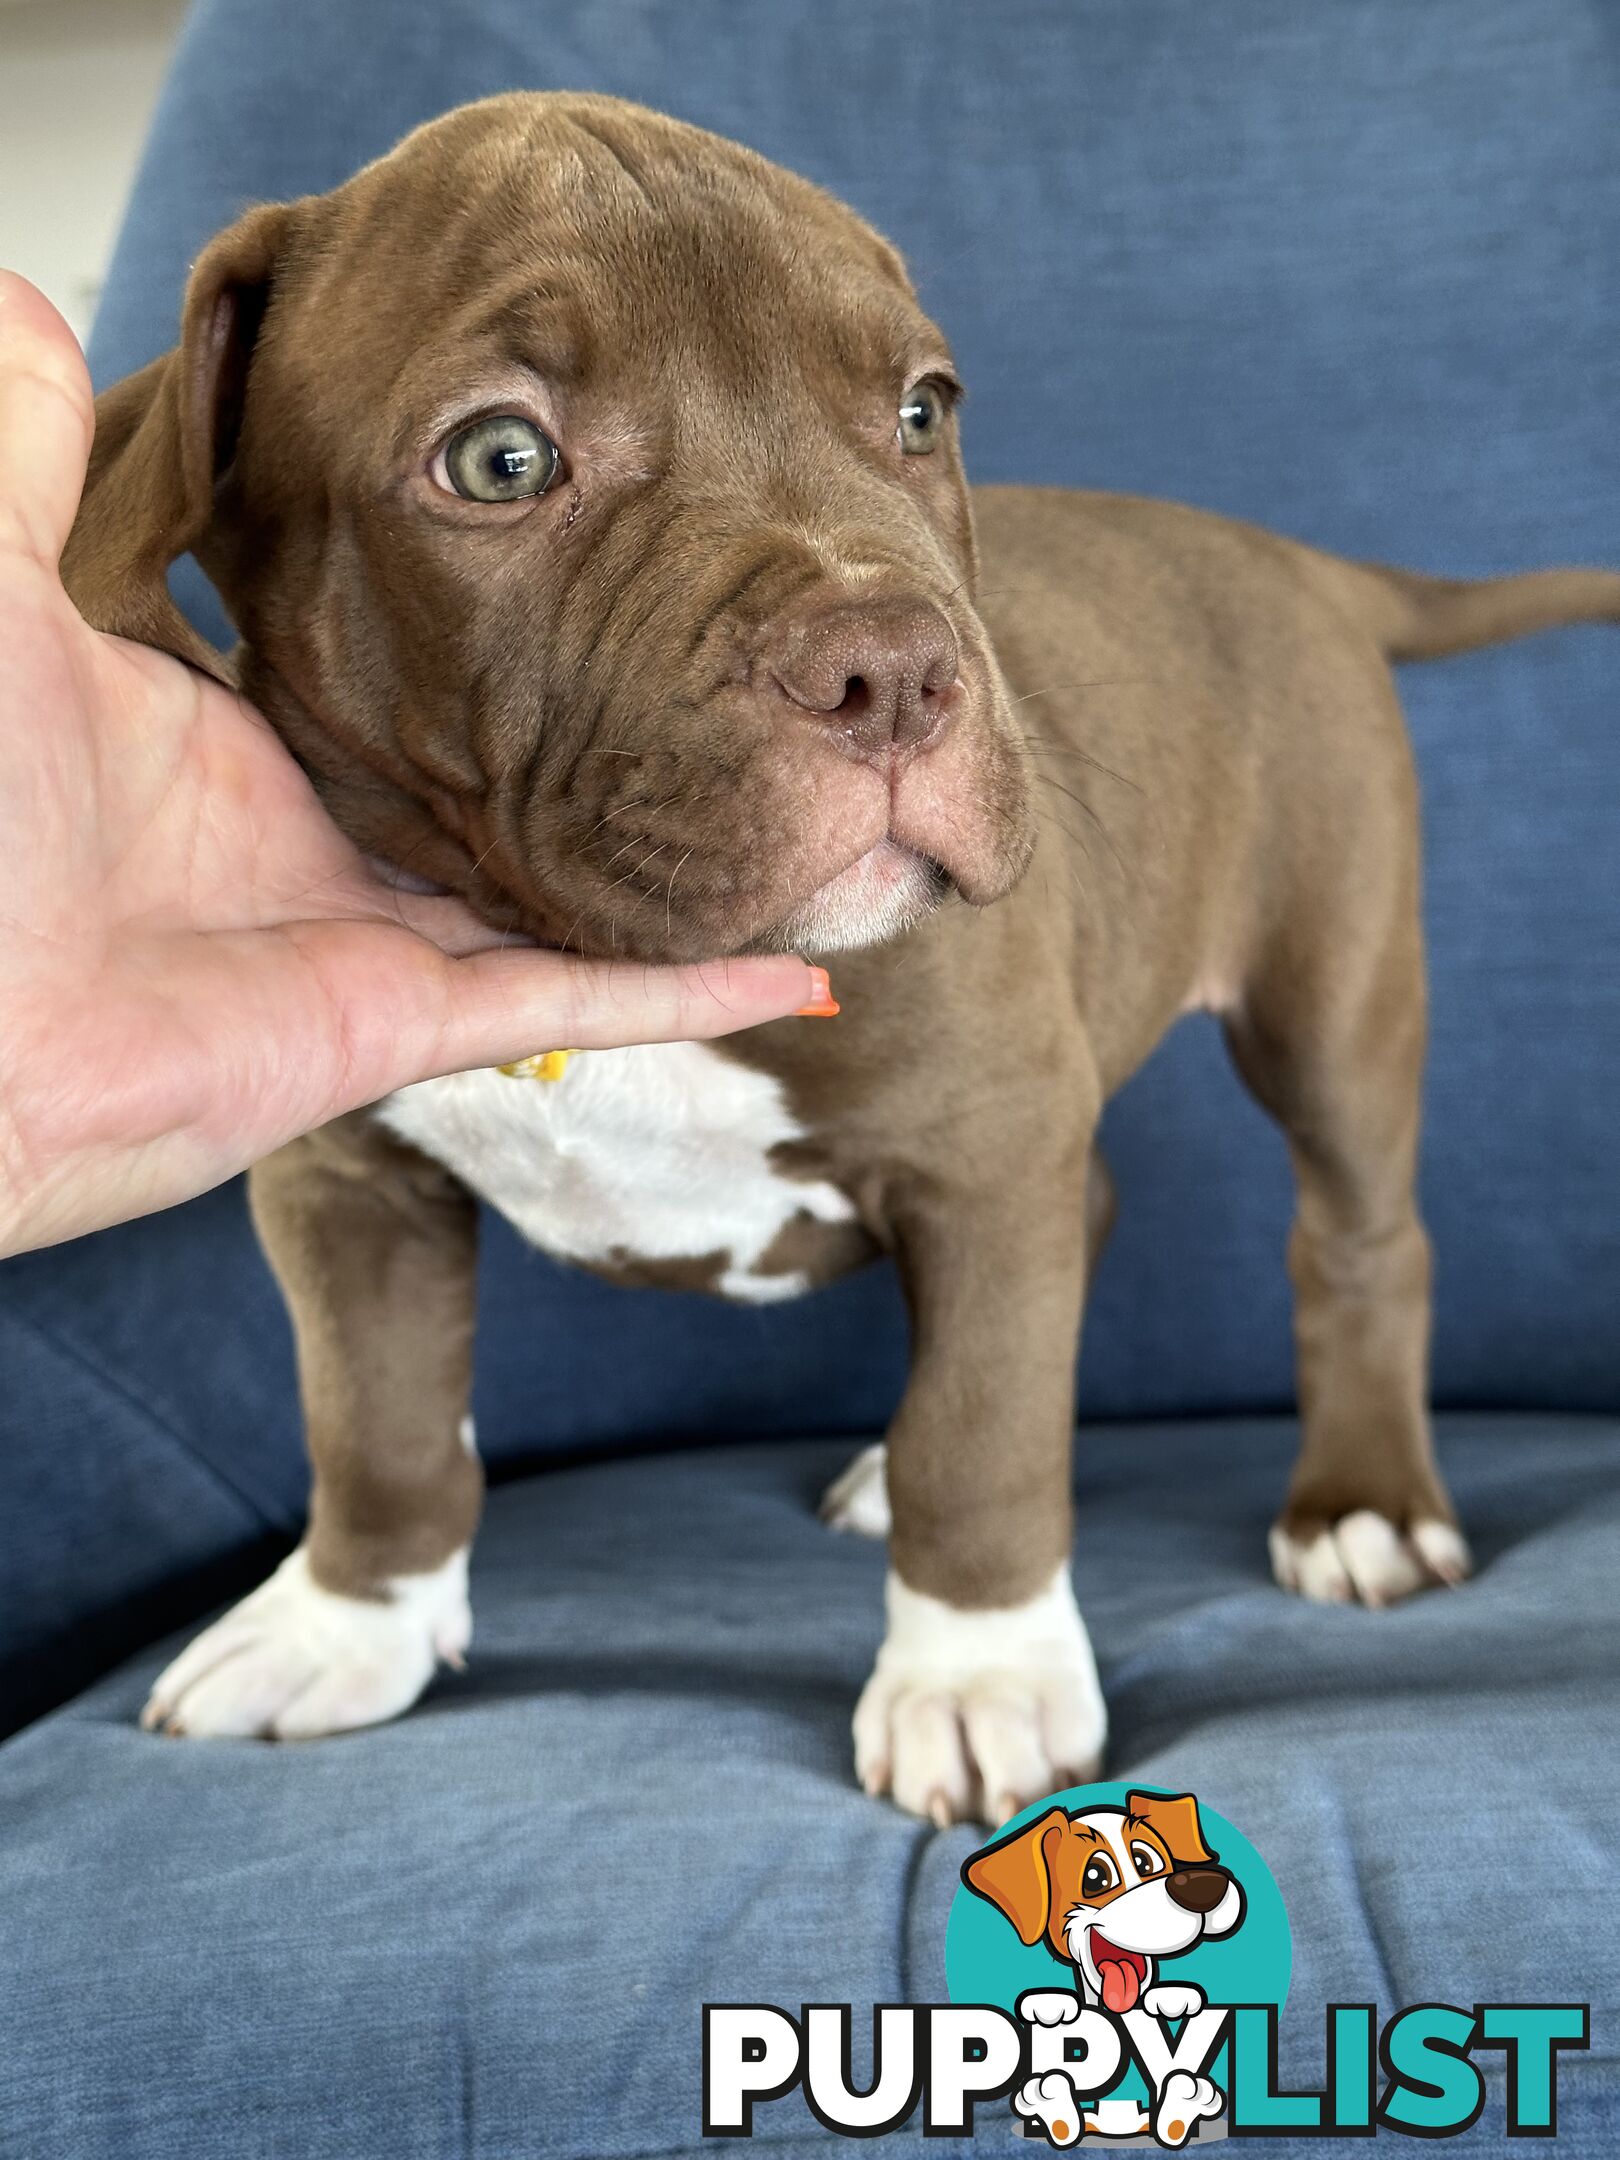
{"type": "Point", "coordinates": [1424, 618]}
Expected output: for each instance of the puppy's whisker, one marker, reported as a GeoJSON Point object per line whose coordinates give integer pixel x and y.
{"type": "Point", "coordinates": [606, 814]}
{"type": "Point", "coordinates": [1042, 747]}
{"type": "Point", "coordinates": [634, 840]}
{"type": "Point", "coordinates": [568, 934]}
{"type": "Point", "coordinates": [1086, 810]}
{"type": "Point", "coordinates": [508, 927]}
{"type": "Point", "coordinates": [636, 869]}
{"type": "Point", "coordinates": [1050, 817]}
{"type": "Point", "coordinates": [1091, 682]}
{"type": "Point", "coordinates": [669, 889]}
{"type": "Point", "coordinates": [484, 858]}
{"type": "Point", "coordinates": [622, 811]}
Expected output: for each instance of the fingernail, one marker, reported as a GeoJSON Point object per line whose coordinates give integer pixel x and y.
{"type": "Point", "coordinates": [822, 1003]}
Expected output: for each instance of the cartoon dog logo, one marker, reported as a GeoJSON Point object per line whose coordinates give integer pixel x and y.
{"type": "Point", "coordinates": [1113, 1891]}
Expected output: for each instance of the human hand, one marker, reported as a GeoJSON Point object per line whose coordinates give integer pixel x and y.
{"type": "Point", "coordinates": [195, 965]}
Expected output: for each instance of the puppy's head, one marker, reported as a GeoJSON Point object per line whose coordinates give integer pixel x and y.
{"type": "Point", "coordinates": [1112, 1890]}
{"type": "Point", "coordinates": [586, 491]}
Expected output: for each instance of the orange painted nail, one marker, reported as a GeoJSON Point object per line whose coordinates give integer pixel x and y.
{"type": "Point", "coordinates": [823, 1004]}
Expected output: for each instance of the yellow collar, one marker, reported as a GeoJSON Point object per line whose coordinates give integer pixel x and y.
{"type": "Point", "coordinates": [540, 1065]}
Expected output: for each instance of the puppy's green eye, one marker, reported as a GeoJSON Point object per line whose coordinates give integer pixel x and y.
{"type": "Point", "coordinates": [922, 419]}
{"type": "Point", "coordinates": [501, 459]}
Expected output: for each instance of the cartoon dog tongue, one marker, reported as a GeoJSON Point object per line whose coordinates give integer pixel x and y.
{"type": "Point", "coordinates": [1118, 1974]}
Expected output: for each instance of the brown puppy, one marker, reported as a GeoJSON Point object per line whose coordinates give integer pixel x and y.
{"type": "Point", "coordinates": [587, 493]}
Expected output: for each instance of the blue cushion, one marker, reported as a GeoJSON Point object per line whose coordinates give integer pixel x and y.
{"type": "Point", "coordinates": [1344, 269]}
{"type": "Point", "coordinates": [488, 1930]}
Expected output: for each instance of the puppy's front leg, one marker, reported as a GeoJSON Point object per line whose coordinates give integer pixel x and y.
{"type": "Point", "coordinates": [375, 1250]}
{"type": "Point", "coordinates": [985, 1693]}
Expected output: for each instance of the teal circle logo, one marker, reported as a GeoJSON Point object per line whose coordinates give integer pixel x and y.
{"type": "Point", "coordinates": [1128, 1899]}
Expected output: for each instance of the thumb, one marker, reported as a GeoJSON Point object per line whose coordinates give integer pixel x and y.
{"type": "Point", "coordinates": [503, 1006]}
{"type": "Point", "coordinates": [47, 420]}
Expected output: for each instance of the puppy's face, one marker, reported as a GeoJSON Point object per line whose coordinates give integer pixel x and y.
{"type": "Point", "coordinates": [1111, 1908]}
{"type": "Point", "coordinates": [1112, 1890]}
{"type": "Point", "coordinates": [591, 507]}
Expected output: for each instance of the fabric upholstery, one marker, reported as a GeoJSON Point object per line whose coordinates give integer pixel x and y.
{"type": "Point", "coordinates": [486, 1933]}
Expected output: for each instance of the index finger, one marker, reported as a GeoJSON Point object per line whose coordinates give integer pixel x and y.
{"type": "Point", "coordinates": [47, 422]}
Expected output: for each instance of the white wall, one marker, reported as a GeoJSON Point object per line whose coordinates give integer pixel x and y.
{"type": "Point", "coordinates": [78, 79]}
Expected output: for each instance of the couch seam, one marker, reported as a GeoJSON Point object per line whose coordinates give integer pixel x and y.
{"type": "Point", "coordinates": [1386, 1973]}
{"type": "Point", "coordinates": [121, 1391]}
{"type": "Point", "coordinates": [908, 1903]}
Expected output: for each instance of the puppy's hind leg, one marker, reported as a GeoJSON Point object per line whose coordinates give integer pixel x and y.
{"type": "Point", "coordinates": [1330, 1038]}
{"type": "Point", "coordinates": [857, 1500]}
{"type": "Point", "coordinates": [375, 1248]}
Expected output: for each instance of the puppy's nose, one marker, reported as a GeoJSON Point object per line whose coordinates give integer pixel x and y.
{"type": "Point", "coordinates": [879, 672]}
{"type": "Point", "coordinates": [1197, 1889]}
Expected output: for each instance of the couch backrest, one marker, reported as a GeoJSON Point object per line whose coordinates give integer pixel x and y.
{"type": "Point", "coordinates": [1350, 268]}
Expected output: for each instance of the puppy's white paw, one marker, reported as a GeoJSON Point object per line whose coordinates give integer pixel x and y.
{"type": "Point", "coordinates": [1048, 2006]}
{"type": "Point", "coordinates": [1364, 1559]}
{"type": "Point", "coordinates": [1182, 2105]}
{"type": "Point", "coordinates": [1173, 2000]}
{"type": "Point", "coordinates": [969, 1716]}
{"type": "Point", "coordinates": [1052, 2102]}
{"type": "Point", "coordinates": [293, 1661]}
{"type": "Point", "coordinates": [858, 1499]}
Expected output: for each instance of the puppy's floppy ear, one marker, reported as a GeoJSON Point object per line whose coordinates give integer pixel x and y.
{"type": "Point", "coordinates": [163, 437]}
{"type": "Point", "coordinates": [1016, 1875]}
{"type": "Point", "coordinates": [1175, 1817]}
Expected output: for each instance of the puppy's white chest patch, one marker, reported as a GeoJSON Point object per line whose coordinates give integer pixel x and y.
{"type": "Point", "coordinates": [657, 1153]}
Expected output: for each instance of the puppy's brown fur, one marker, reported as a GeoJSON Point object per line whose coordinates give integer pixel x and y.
{"type": "Point", "coordinates": [615, 717]}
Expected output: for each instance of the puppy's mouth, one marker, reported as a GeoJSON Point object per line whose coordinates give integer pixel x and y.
{"type": "Point", "coordinates": [886, 890]}
{"type": "Point", "coordinates": [1121, 1974]}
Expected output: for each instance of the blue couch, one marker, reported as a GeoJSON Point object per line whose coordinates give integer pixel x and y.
{"type": "Point", "coordinates": [1348, 268]}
